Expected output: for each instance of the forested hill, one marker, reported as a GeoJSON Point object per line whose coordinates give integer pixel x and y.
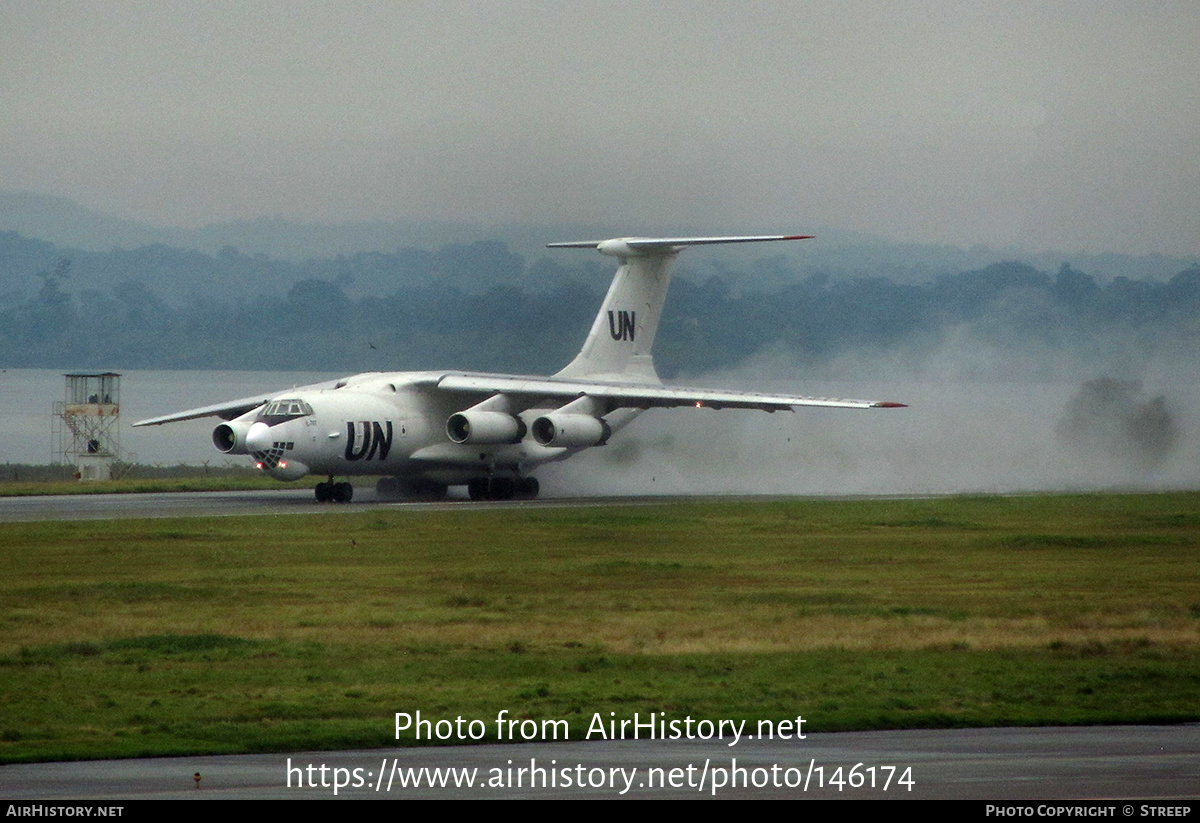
{"type": "Point", "coordinates": [481, 306]}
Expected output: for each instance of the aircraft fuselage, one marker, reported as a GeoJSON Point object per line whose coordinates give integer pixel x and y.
{"type": "Point", "coordinates": [425, 431]}
{"type": "Point", "coordinates": [381, 424]}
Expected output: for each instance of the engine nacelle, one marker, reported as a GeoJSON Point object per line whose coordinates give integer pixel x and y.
{"type": "Point", "coordinates": [485, 427]}
{"type": "Point", "coordinates": [570, 430]}
{"type": "Point", "coordinates": [230, 437]}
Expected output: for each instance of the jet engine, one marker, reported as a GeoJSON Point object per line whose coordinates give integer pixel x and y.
{"type": "Point", "coordinates": [570, 430]}
{"type": "Point", "coordinates": [230, 437]}
{"type": "Point", "coordinates": [485, 427]}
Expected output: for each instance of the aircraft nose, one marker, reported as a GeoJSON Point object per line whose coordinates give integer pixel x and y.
{"type": "Point", "coordinates": [260, 438]}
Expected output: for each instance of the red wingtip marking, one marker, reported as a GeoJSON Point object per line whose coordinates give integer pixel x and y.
{"type": "Point", "coordinates": [799, 237]}
{"type": "Point", "coordinates": [888, 405]}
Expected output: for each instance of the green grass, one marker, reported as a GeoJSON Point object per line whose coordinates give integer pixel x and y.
{"type": "Point", "coordinates": [131, 485]}
{"type": "Point", "coordinates": [130, 638]}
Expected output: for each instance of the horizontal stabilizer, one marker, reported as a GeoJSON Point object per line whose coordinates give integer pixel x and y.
{"type": "Point", "coordinates": [646, 246]}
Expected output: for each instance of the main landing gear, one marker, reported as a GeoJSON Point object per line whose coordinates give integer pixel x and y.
{"type": "Point", "coordinates": [420, 488]}
{"type": "Point", "coordinates": [502, 488]}
{"type": "Point", "coordinates": [331, 492]}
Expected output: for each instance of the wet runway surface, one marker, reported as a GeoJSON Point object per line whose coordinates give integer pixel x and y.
{"type": "Point", "coordinates": [299, 500]}
{"type": "Point", "coordinates": [1114, 765]}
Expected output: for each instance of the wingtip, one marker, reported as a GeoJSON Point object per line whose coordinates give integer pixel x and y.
{"type": "Point", "coordinates": [887, 404]}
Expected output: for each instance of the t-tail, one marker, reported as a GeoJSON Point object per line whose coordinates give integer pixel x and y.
{"type": "Point", "coordinates": [618, 346]}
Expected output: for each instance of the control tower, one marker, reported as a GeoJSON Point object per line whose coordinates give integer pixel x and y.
{"type": "Point", "coordinates": [87, 424]}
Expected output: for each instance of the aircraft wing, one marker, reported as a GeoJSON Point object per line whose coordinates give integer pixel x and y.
{"type": "Point", "coordinates": [225, 411]}
{"type": "Point", "coordinates": [635, 395]}
{"type": "Point", "coordinates": [230, 408]}
{"type": "Point", "coordinates": [621, 394]}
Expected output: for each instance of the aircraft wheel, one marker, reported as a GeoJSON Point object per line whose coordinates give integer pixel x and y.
{"type": "Point", "coordinates": [501, 488]}
{"type": "Point", "coordinates": [343, 492]}
{"type": "Point", "coordinates": [425, 489]}
{"type": "Point", "coordinates": [420, 488]}
{"type": "Point", "coordinates": [388, 488]}
{"type": "Point", "coordinates": [477, 488]}
{"type": "Point", "coordinates": [527, 488]}
{"type": "Point", "coordinates": [324, 492]}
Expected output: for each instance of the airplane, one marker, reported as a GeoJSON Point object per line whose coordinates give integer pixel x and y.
{"type": "Point", "coordinates": [428, 430]}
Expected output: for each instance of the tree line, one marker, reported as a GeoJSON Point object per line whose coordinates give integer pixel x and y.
{"type": "Point", "coordinates": [479, 306]}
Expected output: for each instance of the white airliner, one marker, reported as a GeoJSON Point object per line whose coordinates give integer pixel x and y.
{"type": "Point", "coordinates": [425, 431]}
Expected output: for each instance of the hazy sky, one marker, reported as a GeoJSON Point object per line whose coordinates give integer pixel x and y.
{"type": "Point", "coordinates": [1063, 125]}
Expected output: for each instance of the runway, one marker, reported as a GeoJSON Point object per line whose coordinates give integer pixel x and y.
{"type": "Point", "coordinates": [1124, 766]}
{"type": "Point", "coordinates": [297, 500]}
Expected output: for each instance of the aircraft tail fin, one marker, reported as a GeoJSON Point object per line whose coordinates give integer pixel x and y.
{"type": "Point", "coordinates": [618, 346]}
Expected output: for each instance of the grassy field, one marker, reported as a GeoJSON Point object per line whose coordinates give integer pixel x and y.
{"type": "Point", "coordinates": [18, 480]}
{"type": "Point", "coordinates": [129, 638]}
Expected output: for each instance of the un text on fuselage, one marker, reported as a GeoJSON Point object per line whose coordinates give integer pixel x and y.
{"type": "Point", "coordinates": [621, 325]}
{"type": "Point", "coordinates": [367, 439]}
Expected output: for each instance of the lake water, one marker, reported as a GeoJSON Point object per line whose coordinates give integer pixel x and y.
{"type": "Point", "coordinates": [27, 398]}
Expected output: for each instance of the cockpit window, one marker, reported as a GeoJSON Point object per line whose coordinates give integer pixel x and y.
{"type": "Point", "coordinates": [278, 411]}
